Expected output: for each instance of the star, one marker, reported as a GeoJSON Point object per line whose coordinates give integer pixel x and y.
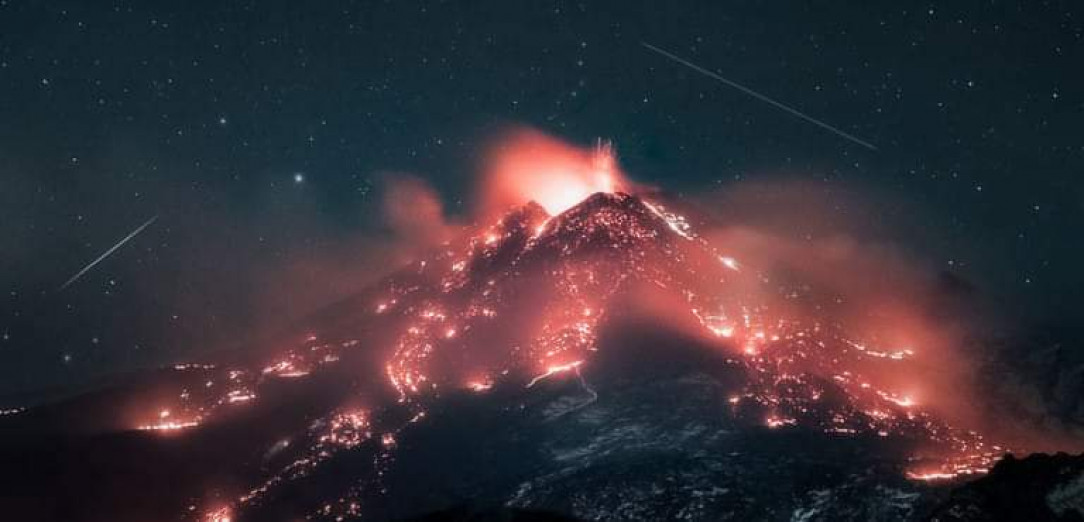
{"type": "Point", "coordinates": [299, 177]}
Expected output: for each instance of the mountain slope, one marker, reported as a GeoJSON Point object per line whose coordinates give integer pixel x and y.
{"type": "Point", "coordinates": [531, 362]}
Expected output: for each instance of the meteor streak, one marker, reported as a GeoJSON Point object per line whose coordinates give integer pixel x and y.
{"type": "Point", "coordinates": [759, 96]}
{"type": "Point", "coordinates": [107, 253]}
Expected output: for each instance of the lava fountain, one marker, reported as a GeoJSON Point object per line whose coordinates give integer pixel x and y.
{"type": "Point", "coordinates": [526, 165]}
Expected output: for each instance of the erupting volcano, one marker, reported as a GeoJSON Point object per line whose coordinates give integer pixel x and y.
{"type": "Point", "coordinates": [590, 324]}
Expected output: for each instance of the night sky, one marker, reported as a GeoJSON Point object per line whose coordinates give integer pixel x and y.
{"type": "Point", "coordinates": [261, 135]}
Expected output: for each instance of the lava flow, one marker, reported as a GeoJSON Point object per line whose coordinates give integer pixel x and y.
{"type": "Point", "coordinates": [521, 300]}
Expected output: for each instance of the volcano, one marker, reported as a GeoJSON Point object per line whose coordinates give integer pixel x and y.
{"type": "Point", "coordinates": [604, 363]}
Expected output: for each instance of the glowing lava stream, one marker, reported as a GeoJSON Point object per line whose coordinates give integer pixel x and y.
{"type": "Point", "coordinates": [554, 370]}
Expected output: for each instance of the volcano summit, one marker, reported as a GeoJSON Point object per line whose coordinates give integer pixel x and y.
{"type": "Point", "coordinates": [604, 363]}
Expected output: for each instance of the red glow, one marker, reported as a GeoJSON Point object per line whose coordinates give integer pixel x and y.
{"type": "Point", "coordinates": [223, 514]}
{"type": "Point", "coordinates": [481, 385]}
{"type": "Point", "coordinates": [530, 166]}
{"type": "Point", "coordinates": [169, 426]}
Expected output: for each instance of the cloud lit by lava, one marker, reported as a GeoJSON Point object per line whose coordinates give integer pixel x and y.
{"type": "Point", "coordinates": [525, 165]}
{"type": "Point", "coordinates": [822, 252]}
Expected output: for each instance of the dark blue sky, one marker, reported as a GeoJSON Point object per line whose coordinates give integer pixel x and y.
{"type": "Point", "coordinates": [208, 114]}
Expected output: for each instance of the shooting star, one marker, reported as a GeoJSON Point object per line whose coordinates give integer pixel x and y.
{"type": "Point", "coordinates": [107, 253]}
{"type": "Point", "coordinates": [759, 96]}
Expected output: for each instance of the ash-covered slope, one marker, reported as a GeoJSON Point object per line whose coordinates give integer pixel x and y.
{"type": "Point", "coordinates": [606, 363]}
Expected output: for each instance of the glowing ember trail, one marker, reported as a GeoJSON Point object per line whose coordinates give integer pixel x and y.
{"type": "Point", "coordinates": [170, 425]}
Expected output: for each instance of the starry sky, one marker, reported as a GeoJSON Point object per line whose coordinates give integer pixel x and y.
{"type": "Point", "coordinates": [260, 134]}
